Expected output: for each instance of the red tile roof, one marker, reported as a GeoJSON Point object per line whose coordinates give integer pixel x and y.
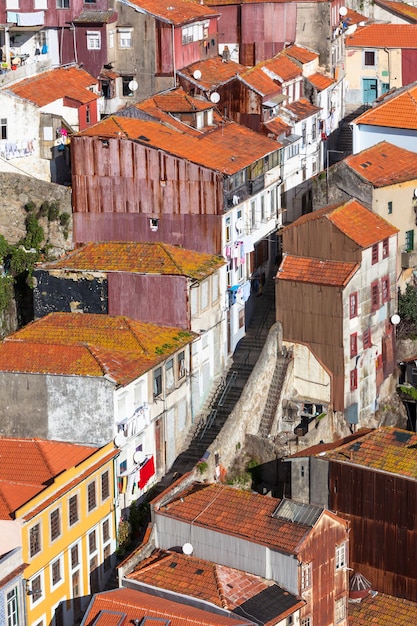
{"type": "Point", "coordinates": [383, 36]}
{"type": "Point", "coordinates": [283, 67]}
{"type": "Point", "coordinates": [382, 610]}
{"type": "Point", "coordinates": [27, 465]}
{"type": "Point", "coordinates": [126, 605]}
{"type": "Point", "coordinates": [144, 258]}
{"type": "Point", "coordinates": [175, 12]}
{"type": "Point", "coordinates": [300, 54]}
{"type": "Point", "coordinates": [178, 101]}
{"type": "Point", "coordinates": [256, 78]}
{"type": "Point", "coordinates": [352, 17]}
{"type": "Point", "coordinates": [232, 511]}
{"type": "Point", "coordinates": [398, 110]}
{"type": "Point", "coordinates": [316, 271]}
{"type": "Point", "coordinates": [302, 108]}
{"type": "Point", "coordinates": [324, 447]}
{"type": "Point", "coordinates": [404, 10]}
{"type": "Point", "coordinates": [222, 586]}
{"type": "Point", "coordinates": [384, 164]}
{"type": "Point", "coordinates": [214, 72]}
{"type": "Point", "coordinates": [42, 89]}
{"type": "Point", "coordinates": [224, 149]}
{"type": "Point", "coordinates": [73, 344]}
{"type": "Point", "coordinates": [354, 220]}
{"type": "Point", "coordinates": [320, 81]}
{"type": "Point", "coordinates": [278, 127]}
{"type": "Point", "coordinates": [386, 449]}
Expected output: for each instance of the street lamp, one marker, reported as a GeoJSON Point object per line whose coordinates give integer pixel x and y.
{"type": "Point", "coordinates": [327, 171]}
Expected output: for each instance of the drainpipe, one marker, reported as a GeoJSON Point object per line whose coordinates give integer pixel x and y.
{"type": "Point", "coordinates": [389, 67]}
{"type": "Point", "coordinates": [75, 42]}
{"type": "Point", "coordinates": [173, 57]}
{"type": "Point", "coordinates": [6, 44]}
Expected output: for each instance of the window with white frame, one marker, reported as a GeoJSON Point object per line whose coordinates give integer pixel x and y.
{"type": "Point", "coordinates": [228, 229]}
{"type": "Point", "coordinates": [75, 556]}
{"type": "Point", "coordinates": [169, 374]}
{"type": "Point", "coordinates": [307, 621]}
{"type": "Point", "coordinates": [93, 40]}
{"type": "Point", "coordinates": [36, 588]}
{"type": "Point", "coordinates": [92, 542]}
{"type": "Point", "coordinates": [62, 4]}
{"type": "Point", "coordinates": [12, 607]}
{"type": "Point", "coordinates": [339, 610]}
{"type": "Point", "coordinates": [73, 515]}
{"type": "Point", "coordinates": [194, 300]}
{"type": "Point", "coordinates": [55, 524]}
{"type": "Point", "coordinates": [195, 32]}
{"type": "Point", "coordinates": [56, 572]}
{"type": "Point", "coordinates": [341, 556]}
{"type": "Point", "coordinates": [35, 544]}
{"type": "Point", "coordinates": [204, 294]}
{"type": "Point", "coordinates": [91, 496]}
{"type": "Point", "coordinates": [306, 575]}
{"type": "Point", "coordinates": [215, 287]}
{"type": "Point", "coordinates": [125, 37]}
{"type": "Point", "coordinates": [105, 485]}
{"type": "Point", "coordinates": [157, 382]}
{"type": "Point", "coordinates": [111, 39]}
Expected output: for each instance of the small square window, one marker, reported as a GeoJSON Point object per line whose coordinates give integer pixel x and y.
{"type": "Point", "coordinates": [353, 380]}
{"type": "Point", "coordinates": [93, 40]}
{"type": "Point", "coordinates": [91, 496]}
{"type": "Point", "coordinates": [369, 58]}
{"type": "Point", "coordinates": [307, 621]}
{"type": "Point", "coordinates": [181, 364]}
{"type": "Point", "coordinates": [353, 345]}
{"type": "Point", "coordinates": [125, 38]}
{"type": "Point", "coordinates": [374, 253]}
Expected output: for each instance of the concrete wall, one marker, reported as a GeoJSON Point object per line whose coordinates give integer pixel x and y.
{"type": "Point", "coordinates": [387, 69]}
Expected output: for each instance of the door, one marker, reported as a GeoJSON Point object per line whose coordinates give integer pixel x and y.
{"type": "Point", "coordinates": [370, 90]}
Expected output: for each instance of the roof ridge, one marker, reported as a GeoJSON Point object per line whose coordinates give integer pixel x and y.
{"type": "Point", "coordinates": [220, 588]}
{"type": "Point", "coordinates": [6, 504]}
{"type": "Point", "coordinates": [128, 323]}
{"type": "Point", "coordinates": [170, 255]}
{"type": "Point", "coordinates": [44, 457]}
{"type": "Point", "coordinates": [92, 350]}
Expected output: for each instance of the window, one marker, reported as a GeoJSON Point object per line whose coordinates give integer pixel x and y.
{"type": "Point", "coordinates": [369, 58]}
{"type": "Point", "coordinates": [181, 365]}
{"type": "Point", "coordinates": [385, 289]}
{"type": "Point", "coordinates": [111, 39]}
{"type": "Point", "coordinates": [228, 229]}
{"type": "Point", "coordinates": [157, 382]}
{"type": "Point", "coordinates": [339, 610]}
{"type": "Point", "coordinates": [169, 374]}
{"type": "Point", "coordinates": [204, 294]}
{"type": "Point", "coordinates": [409, 240]}
{"type": "Point", "coordinates": [35, 540]}
{"type": "Point", "coordinates": [215, 287]}
{"type": "Point", "coordinates": [305, 576]}
{"type": "Point", "coordinates": [87, 114]}
{"type": "Point", "coordinates": [385, 248]}
{"type": "Point", "coordinates": [253, 214]}
{"type": "Point", "coordinates": [56, 572]}
{"type": "Point", "coordinates": [91, 496]}
{"type": "Point", "coordinates": [194, 301]}
{"type": "Point", "coordinates": [62, 4]}
{"type": "Point", "coordinates": [374, 253]}
{"type": "Point", "coordinates": [303, 134]}
{"type": "Point", "coordinates": [12, 608]}
{"type": "Point", "coordinates": [55, 522]}
{"type": "Point", "coordinates": [93, 40]}
{"type": "Point", "coordinates": [105, 486]}
{"type": "Point", "coordinates": [353, 345]}
{"type": "Point", "coordinates": [125, 38]}
{"type": "Point", "coordinates": [73, 510]}
{"type": "Point", "coordinates": [89, 1]}
{"type": "Point", "coordinates": [36, 588]}
{"type": "Point", "coordinates": [3, 124]}
{"type": "Point", "coordinates": [389, 208]}
{"type": "Point", "coordinates": [314, 129]}
{"type": "Point", "coordinates": [126, 80]}
{"type": "Point", "coordinates": [366, 338]}
{"type": "Point", "coordinates": [341, 556]}
{"type": "Point", "coordinates": [75, 557]}
{"type": "Point", "coordinates": [306, 621]}
{"type": "Point", "coordinates": [353, 305]}
{"type": "Point", "coordinates": [106, 558]}
{"type": "Point", "coordinates": [353, 380]}
{"type": "Point", "coordinates": [106, 530]}
{"type": "Point", "coordinates": [92, 542]}
{"type": "Point", "coordinates": [374, 296]}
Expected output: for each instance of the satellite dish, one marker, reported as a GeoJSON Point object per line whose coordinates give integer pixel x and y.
{"type": "Point", "coordinates": [197, 74]}
{"type": "Point", "coordinates": [415, 192]}
{"type": "Point", "coordinates": [215, 97]}
{"type": "Point", "coordinates": [133, 85]}
{"type": "Point", "coordinates": [139, 457]}
{"type": "Point", "coordinates": [187, 548]}
{"type": "Point", "coordinates": [343, 11]}
{"type": "Point", "coordinates": [395, 319]}
{"type": "Point", "coordinates": [119, 440]}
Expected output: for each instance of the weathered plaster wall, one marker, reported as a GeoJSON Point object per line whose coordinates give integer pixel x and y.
{"type": "Point", "coordinates": [23, 405]}
{"type": "Point", "coordinates": [58, 290]}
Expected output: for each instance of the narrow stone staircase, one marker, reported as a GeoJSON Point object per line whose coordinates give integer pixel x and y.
{"type": "Point", "coordinates": [274, 395]}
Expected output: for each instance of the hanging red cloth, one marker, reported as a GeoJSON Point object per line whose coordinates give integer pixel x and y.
{"type": "Point", "coordinates": [146, 472]}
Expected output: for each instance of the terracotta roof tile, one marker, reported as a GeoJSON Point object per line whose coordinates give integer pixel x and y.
{"type": "Point", "coordinates": [96, 17]}
{"type": "Point", "coordinates": [382, 610]}
{"type": "Point", "coordinates": [357, 222]}
{"type": "Point", "coordinates": [232, 511]}
{"type": "Point", "coordinates": [27, 465]}
{"type": "Point", "coordinates": [282, 66]}
{"type": "Point", "coordinates": [320, 81]}
{"type": "Point", "coordinates": [316, 271]}
{"type": "Point", "coordinates": [406, 11]}
{"type": "Point", "coordinates": [144, 258]}
{"type": "Point", "coordinates": [214, 72]}
{"type": "Point", "coordinates": [398, 110]}
{"type": "Point", "coordinates": [278, 127]}
{"type": "Point", "coordinates": [300, 54]}
{"type": "Point", "coordinates": [256, 78]}
{"type": "Point", "coordinates": [130, 604]}
{"type": "Point", "coordinates": [384, 164]}
{"type": "Point", "coordinates": [178, 101]}
{"type": "Point", "coordinates": [302, 108]}
{"type": "Point", "coordinates": [383, 36]}
{"type": "Point", "coordinates": [353, 17]}
{"type": "Point", "coordinates": [175, 12]}
{"type": "Point", "coordinates": [73, 344]}
{"type": "Point", "coordinates": [224, 149]}
{"type": "Point", "coordinates": [387, 449]}
{"type": "Point", "coordinates": [62, 82]}
{"type": "Point", "coordinates": [323, 447]}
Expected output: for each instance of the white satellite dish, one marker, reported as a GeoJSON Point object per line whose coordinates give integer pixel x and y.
{"type": "Point", "coordinates": [343, 11]}
{"type": "Point", "coordinates": [197, 74]}
{"type": "Point", "coordinates": [239, 225]}
{"type": "Point", "coordinates": [215, 97]}
{"type": "Point", "coordinates": [119, 440]}
{"type": "Point", "coordinates": [187, 548]}
{"type": "Point", "coordinates": [133, 85]}
{"type": "Point", "coordinates": [415, 192]}
{"type": "Point", "coordinates": [395, 319]}
{"type": "Point", "coordinates": [139, 457]}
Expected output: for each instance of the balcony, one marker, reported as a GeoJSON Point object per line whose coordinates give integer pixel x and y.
{"type": "Point", "coordinates": [256, 185]}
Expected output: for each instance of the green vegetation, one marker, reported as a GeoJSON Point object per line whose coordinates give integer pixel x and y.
{"type": "Point", "coordinates": [407, 310]}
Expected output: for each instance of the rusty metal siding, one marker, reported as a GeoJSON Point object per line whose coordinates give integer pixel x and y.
{"type": "Point", "coordinates": [319, 238]}
{"type": "Point", "coordinates": [150, 298]}
{"type": "Point", "coordinates": [266, 27]}
{"type": "Point", "coordinates": [228, 24]}
{"type": "Point", "coordinates": [382, 509]}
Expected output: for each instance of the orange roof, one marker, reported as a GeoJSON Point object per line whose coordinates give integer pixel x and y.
{"type": "Point", "coordinates": [300, 54]}
{"type": "Point", "coordinates": [277, 127]}
{"type": "Point", "coordinates": [302, 108]}
{"type": "Point", "coordinates": [406, 11]}
{"type": "Point", "coordinates": [72, 344]}
{"type": "Point", "coordinates": [323, 447]}
{"type": "Point", "coordinates": [316, 271]}
{"type": "Point", "coordinates": [383, 36]}
{"type": "Point", "coordinates": [144, 258]}
{"type": "Point", "coordinates": [175, 12]}
{"type": "Point", "coordinates": [256, 78]}
{"type": "Point", "coordinates": [320, 81]}
{"type": "Point", "coordinates": [178, 101]}
{"type": "Point", "coordinates": [352, 17]}
{"type": "Point", "coordinates": [282, 67]}
{"type": "Point", "coordinates": [225, 149]}
{"type": "Point", "coordinates": [28, 465]}
{"type": "Point", "coordinates": [42, 89]}
{"type": "Point", "coordinates": [232, 511]}
{"type": "Point", "coordinates": [386, 449]}
{"type": "Point", "coordinates": [214, 72]}
{"type": "Point", "coordinates": [382, 610]}
{"type": "Point", "coordinates": [222, 586]}
{"type": "Point", "coordinates": [397, 110]}
{"type": "Point", "coordinates": [354, 220]}
{"type": "Point", "coordinates": [384, 164]}
{"type": "Point", "coordinates": [124, 606]}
